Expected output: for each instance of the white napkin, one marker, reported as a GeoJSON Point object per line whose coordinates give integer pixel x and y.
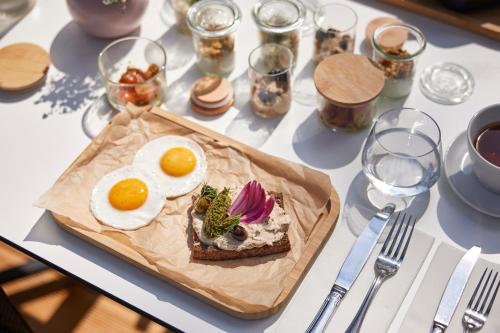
{"type": "Point", "coordinates": [386, 303]}
{"type": "Point", "coordinates": [424, 306]}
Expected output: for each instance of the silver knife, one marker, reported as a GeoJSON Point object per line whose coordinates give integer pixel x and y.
{"type": "Point", "coordinates": [351, 267]}
{"type": "Point", "coordinates": [454, 289]}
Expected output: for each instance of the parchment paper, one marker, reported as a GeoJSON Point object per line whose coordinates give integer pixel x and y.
{"type": "Point", "coordinates": [247, 285]}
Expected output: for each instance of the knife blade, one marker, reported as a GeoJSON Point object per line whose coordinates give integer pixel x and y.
{"type": "Point", "coordinates": [354, 262]}
{"type": "Point", "coordinates": [454, 289]}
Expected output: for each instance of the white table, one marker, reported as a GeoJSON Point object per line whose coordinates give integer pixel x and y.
{"type": "Point", "coordinates": [35, 150]}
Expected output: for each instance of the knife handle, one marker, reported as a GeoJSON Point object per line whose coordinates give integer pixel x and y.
{"type": "Point", "coordinates": [438, 328]}
{"type": "Point", "coordinates": [327, 310]}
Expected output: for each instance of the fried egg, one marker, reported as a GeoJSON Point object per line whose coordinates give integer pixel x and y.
{"type": "Point", "coordinates": [177, 164]}
{"type": "Point", "coordinates": [126, 198]}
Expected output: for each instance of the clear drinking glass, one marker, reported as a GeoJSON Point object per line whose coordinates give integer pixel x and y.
{"type": "Point", "coordinates": [397, 61]}
{"type": "Point", "coordinates": [402, 154]}
{"type": "Point", "coordinates": [270, 73]}
{"type": "Point", "coordinates": [335, 30]}
{"type": "Point", "coordinates": [280, 22]}
{"type": "Point", "coordinates": [214, 24]}
{"type": "Point", "coordinates": [133, 70]}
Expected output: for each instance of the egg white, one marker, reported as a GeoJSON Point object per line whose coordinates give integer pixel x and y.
{"type": "Point", "coordinates": [149, 156]}
{"type": "Point", "coordinates": [125, 219]}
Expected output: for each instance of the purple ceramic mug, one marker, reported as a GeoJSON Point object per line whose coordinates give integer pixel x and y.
{"type": "Point", "coordinates": [107, 21]}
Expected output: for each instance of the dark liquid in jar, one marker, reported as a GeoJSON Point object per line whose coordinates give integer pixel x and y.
{"type": "Point", "coordinates": [488, 143]}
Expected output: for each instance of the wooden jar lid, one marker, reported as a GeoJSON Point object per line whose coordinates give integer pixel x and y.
{"type": "Point", "coordinates": [390, 39]}
{"type": "Point", "coordinates": [212, 95]}
{"type": "Point", "coordinates": [348, 79]}
{"type": "Point", "coordinates": [22, 66]}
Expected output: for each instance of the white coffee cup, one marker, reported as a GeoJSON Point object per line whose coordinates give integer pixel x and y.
{"type": "Point", "coordinates": [487, 173]}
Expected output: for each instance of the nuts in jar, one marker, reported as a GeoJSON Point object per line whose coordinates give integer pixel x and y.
{"type": "Point", "coordinates": [270, 77]}
{"type": "Point", "coordinates": [335, 31]}
{"type": "Point", "coordinates": [213, 24]}
{"type": "Point", "coordinates": [348, 86]}
{"type": "Point", "coordinates": [280, 22]}
{"type": "Point", "coordinates": [181, 8]}
{"type": "Point", "coordinates": [397, 62]}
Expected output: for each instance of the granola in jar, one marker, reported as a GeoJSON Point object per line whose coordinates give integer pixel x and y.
{"type": "Point", "coordinates": [331, 42]}
{"type": "Point", "coordinates": [280, 22]}
{"type": "Point", "coordinates": [397, 63]}
{"type": "Point", "coordinates": [213, 24]}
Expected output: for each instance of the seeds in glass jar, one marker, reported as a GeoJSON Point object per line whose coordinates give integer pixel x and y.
{"type": "Point", "coordinates": [330, 42]}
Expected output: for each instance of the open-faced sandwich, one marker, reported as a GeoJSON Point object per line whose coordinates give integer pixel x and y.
{"type": "Point", "coordinates": [238, 223]}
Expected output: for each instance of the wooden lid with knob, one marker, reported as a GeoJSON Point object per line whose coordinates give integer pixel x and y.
{"type": "Point", "coordinates": [22, 66]}
{"type": "Point", "coordinates": [348, 79]}
{"type": "Point", "coordinates": [394, 38]}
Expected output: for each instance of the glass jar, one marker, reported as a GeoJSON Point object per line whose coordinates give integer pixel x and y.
{"type": "Point", "coordinates": [397, 61]}
{"type": "Point", "coordinates": [213, 24]}
{"type": "Point", "coordinates": [348, 87]}
{"type": "Point", "coordinates": [133, 71]}
{"type": "Point", "coordinates": [269, 70]}
{"type": "Point", "coordinates": [280, 22]}
{"type": "Point", "coordinates": [335, 31]}
{"type": "Point", "coordinates": [181, 8]}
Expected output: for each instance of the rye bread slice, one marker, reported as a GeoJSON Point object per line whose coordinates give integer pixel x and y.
{"type": "Point", "coordinates": [209, 252]}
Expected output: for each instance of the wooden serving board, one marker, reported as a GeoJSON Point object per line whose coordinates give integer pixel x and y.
{"type": "Point", "coordinates": [485, 22]}
{"type": "Point", "coordinates": [121, 246]}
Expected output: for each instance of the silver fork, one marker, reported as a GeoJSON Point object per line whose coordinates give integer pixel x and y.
{"type": "Point", "coordinates": [387, 264]}
{"type": "Point", "coordinates": [475, 315]}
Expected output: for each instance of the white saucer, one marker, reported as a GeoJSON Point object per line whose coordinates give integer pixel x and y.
{"type": "Point", "coordinates": [458, 170]}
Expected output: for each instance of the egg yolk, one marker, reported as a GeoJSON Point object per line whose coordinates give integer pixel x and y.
{"type": "Point", "coordinates": [128, 194]}
{"type": "Point", "coordinates": [178, 161]}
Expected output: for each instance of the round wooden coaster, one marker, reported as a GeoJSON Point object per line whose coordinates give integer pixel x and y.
{"type": "Point", "coordinates": [391, 39]}
{"type": "Point", "coordinates": [212, 112]}
{"type": "Point", "coordinates": [211, 89]}
{"type": "Point", "coordinates": [22, 66]}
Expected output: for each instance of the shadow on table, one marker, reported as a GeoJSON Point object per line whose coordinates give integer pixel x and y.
{"type": "Point", "coordinates": [463, 224]}
{"type": "Point", "coordinates": [436, 32]}
{"type": "Point", "coordinates": [17, 96]}
{"type": "Point", "coordinates": [304, 90]}
{"type": "Point", "coordinates": [358, 209]}
{"type": "Point", "coordinates": [47, 231]}
{"type": "Point", "coordinates": [321, 147]}
{"type": "Point", "coordinates": [179, 48]}
{"type": "Point", "coordinates": [76, 82]}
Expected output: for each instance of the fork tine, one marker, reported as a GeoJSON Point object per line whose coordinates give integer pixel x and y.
{"type": "Point", "coordinates": [390, 232]}
{"type": "Point", "coordinates": [493, 298]}
{"type": "Point", "coordinates": [489, 292]}
{"type": "Point", "coordinates": [469, 306]}
{"type": "Point", "coordinates": [402, 239]}
{"type": "Point", "coordinates": [482, 291]}
{"type": "Point", "coordinates": [409, 238]}
{"type": "Point", "coordinates": [394, 239]}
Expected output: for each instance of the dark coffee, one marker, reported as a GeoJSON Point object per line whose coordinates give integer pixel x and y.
{"type": "Point", "coordinates": [488, 143]}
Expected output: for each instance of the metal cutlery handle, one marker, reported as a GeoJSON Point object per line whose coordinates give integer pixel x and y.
{"type": "Point", "coordinates": [438, 328]}
{"type": "Point", "coordinates": [327, 310]}
{"type": "Point", "coordinates": [355, 325]}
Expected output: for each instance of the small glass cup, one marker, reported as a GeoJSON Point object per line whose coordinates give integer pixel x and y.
{"type": "Point", "coordinates": [280, 22]}
{"type": "Point", "coordinates": [214, 24]}
{"type": "Point", "coordinates": [181, 8]}
{"type": "Point", "coordinates": [397, 61]}
{"type": "Point", "coordinates": [270, 73]}
{"type": "Point", "coordinates": [133, 70]}
{"type": "Point", "coordinates": [402, 153]}
{"type": "Point", "coordinates": [335, 30]}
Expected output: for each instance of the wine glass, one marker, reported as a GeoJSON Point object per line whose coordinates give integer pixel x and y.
{"type": "Point", "coordinates": [402, 154]}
